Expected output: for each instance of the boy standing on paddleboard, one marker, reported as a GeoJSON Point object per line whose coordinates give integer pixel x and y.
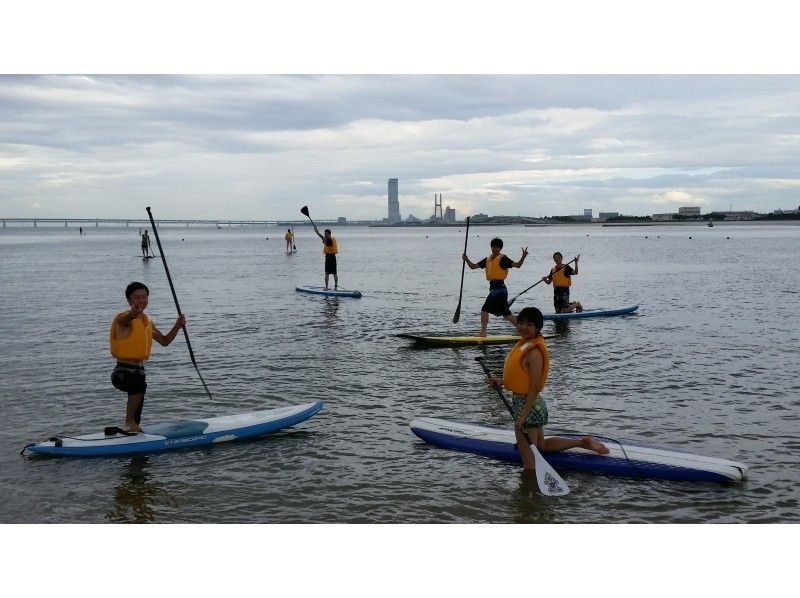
{"type": "Point", "coordinates": [496, 266]}
{"type": "Point", "coordinates": [561, 277]}
{"type": "Point", "coordinates": [131, 337]}
{"type": "Point", "coordinates": [330, 248]}
{"type": "Point", "coordinates": [524, 374]}
{"type": "Point", "coordinates": [289, 236]}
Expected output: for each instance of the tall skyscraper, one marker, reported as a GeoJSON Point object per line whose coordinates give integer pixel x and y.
{"type": "Point", "coordinates": [394, 202]}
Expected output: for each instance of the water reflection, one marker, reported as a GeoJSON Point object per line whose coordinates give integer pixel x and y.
{"type": "Point", "coordinates": [531, 505]}
{"type": "Point", "coordinates": [561, 327]}
{"type": "Point", "coordinates": [330, 310]}
{"type": "Point", "coordinates": [135, 494]}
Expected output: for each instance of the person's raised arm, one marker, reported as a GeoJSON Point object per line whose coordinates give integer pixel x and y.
{"type": "Point", "coordinates": [166, 339]}
{"type": "Point", "coordinates": [522, 259]}
{"type": "Point", "coordinates": [316, 230]}
{"type": "Point", "coordinates": [471, 265]}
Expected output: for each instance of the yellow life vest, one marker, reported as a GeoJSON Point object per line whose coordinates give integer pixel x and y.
{"type": "Point", "coordinates": [515, 378]}
{"type": "Point", "coordinates": [288, 236]}
{"type": "Point", "coordinates": [332, 249]}
{"type": "Point", "coordinates": [136, 346]}
{"type": "Point", "coordinates": [559, 278]}
{"type": "Point", "coordinates": [493, 269]}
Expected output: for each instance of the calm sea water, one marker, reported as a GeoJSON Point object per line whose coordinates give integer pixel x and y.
{"type": "Point", "coordinates": [709, 365]}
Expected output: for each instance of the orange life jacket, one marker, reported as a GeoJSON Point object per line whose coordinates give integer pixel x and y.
{"type": "Point", "coordinates": [559, 278]}
{"type": "Point", "coordinates": [333, 248]}
{"type": "Point", "coordinates": [493, 269]}
{"type": "Point", "coordinates": [515, 377]}
{"type": "Point", "coordinates": [136, 346]}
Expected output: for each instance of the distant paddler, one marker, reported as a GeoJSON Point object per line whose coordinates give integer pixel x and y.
{"type": "Point", "coordinates": [561, 277]}
{"type": "Point", "coordinates": [497, 266]}
{"type": "Point", "coordinates": [145, 244]}
{"type": "Point", "coordinates": [289, 237]}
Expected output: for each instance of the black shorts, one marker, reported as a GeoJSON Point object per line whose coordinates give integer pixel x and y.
{"type": "Point", "coordinates": [330, 263]}
{"type": "Point", "coordinates": [497, 302]}
{"type": "Point", "coordinates": [561, 297]}
{"type": "Point", "coordinates": [129, 379]}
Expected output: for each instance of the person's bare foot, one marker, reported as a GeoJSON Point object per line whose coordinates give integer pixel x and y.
{"type": "Point", "coordinates": [132, 428]}
{"type": "Point", "coordinates": [592, 444]}
{"type": "Point", "coordinates": [482, 333]}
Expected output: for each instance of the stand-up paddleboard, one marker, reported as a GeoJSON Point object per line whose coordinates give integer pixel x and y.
{"type": "Point", "coordinates": [328, 292]}
{"type": "Point", "coordinates": [623, 459]}
{"type": "Point", "coordinates": [592, 313]}
{"type": "Point", "coordinates": [177, 434]}
{"type": "Point", "coordinates": [460, 341]}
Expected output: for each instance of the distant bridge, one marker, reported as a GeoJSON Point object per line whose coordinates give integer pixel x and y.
{"type": "Point", "coordinates": [127, 222]}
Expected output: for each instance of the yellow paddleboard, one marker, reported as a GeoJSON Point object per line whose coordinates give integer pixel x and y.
{"type": "Point", "coordinates": [458, 341]}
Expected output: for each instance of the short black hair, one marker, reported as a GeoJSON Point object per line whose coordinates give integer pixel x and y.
{"type": "Point", "coordinates": [327, 230]}
{"type": "Point", "coordinates": [532, 315]}
{"type": "Point", "coordinates": [557, 253]}
{"type": "Point", "coordinates": [496, 242]}
{"type": "Point", "coordinates": [135, 286]}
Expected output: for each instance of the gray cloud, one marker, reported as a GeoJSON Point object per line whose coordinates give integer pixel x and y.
{"type": "Point", "coordinates": [260, 146]}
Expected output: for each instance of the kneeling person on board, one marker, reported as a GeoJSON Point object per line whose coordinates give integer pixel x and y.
{"type": "Point", "coordinates": [561, 277]}
{"type": "Point", "coordinates": [131, 337]}
{"type": "Point", "coordinates": [496, 266]}
{"type": "Point", "coordinates": [330, 248]}
{"type": "Point", "coordinates": [524, 374]}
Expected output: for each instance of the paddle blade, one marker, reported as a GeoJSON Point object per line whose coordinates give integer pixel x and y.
{"type": "Point", "coordinates": [550, 483]}
{"type": "Point", "coordinates": [304, 211]}
{"type": "Point", "coordinates": [457, 315]}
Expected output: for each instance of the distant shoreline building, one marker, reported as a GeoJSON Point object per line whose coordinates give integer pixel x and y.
{"type": "Point", "coordinates": [394, 202]}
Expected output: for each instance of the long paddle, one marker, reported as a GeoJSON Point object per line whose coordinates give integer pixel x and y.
{"type": "Point", "coordinates": [457, 315]}
{"type": "Point", "coordinates": [175, 297]}
{"type": "Point", "coordinates": [294, 247]}
{"type": "Point", "coordinates": [537, 282]}
{"type": "Point", "coordinates": [550, 483]}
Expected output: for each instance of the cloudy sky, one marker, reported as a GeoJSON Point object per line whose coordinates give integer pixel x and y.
{"type": "Point", "coordinates": [261, 146]}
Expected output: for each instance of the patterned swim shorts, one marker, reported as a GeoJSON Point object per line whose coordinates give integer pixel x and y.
{"type": "Point", "coordinates": [537, 417]}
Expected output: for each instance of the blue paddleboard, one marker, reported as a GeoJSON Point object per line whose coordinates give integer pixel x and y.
{"type": "Point", "coordinates": [624, 458]}
{"type": "Point", "coordinates": [592, 313]}
{"type": "Point", "coordinates": [328, 292]}
{"type": "Point", "coordinates": [171, 435]}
